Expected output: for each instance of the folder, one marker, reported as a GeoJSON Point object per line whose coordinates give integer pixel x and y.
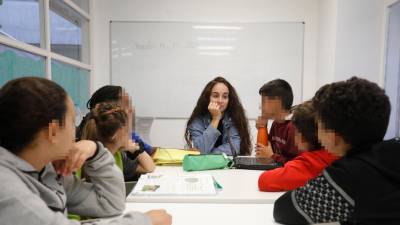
{"type": "Point", "coordinates": [171, 156]}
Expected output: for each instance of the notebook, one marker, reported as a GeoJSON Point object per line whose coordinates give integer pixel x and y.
{"type": "Point", "coordinates": [153, 184]}
{"type": "Point", "coordinates": [164, 156]}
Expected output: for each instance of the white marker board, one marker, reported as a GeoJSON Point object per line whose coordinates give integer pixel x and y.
{"type": "Point", "coordinates": [164, 66]}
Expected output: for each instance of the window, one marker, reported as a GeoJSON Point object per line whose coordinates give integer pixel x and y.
{"type": "Point", "coordinates": [68, 31]}
{"type": "Point", "coordinates": [83, 4]}
{"type": "Point", "coordinates": [392, 70]}
{"type": "Point", "coordinates": [19, 20]}
{"type": "Point", "coordinates": [15, 63]}
{"type": "Point", "coordinates": [74, 80]}
{"type": "Point", "coordinates": [50, 39]}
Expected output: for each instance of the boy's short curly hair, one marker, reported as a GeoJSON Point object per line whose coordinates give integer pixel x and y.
{"type": "Point", "coordinates": [304, 120]}
{"type": "Point", "coordinates": [356, 109]}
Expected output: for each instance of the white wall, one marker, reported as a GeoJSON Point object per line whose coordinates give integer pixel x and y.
{"type": "Point", "coordinates": [359, 44]}
{"type": "Point", "coordinates": [326, 42]}
{"type": "Point", "coordinates": [351, 40]}
{"type": "Point", "coordinates": [342, 37]}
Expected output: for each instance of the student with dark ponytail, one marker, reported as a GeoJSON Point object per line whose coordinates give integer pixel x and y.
{"type": "Point", "coordinates": [133, 166]}
{"type": "Point", "coordinates": [112, 93]}
{"type": "Point", "coordinates": [108, 123]}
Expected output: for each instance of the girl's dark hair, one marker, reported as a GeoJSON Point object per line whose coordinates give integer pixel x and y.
{"type": "Point", "coordinates": [103, 122]}
{"type": "Point", "coordinates": [28, 105]}
{"type": "Point", "coordinates": [234, 109]}
{"type": "Point", "coordinates": [104, 94]}
{"type": "Point", "coordinates": [304, 119]}
{"type": "Point", "coordinates": [108, 93]}
{"type": "Point", "coordinates": [278, 89]}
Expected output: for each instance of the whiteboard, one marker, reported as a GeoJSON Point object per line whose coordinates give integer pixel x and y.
{"type": "Point", "coordinates": [164, 66]}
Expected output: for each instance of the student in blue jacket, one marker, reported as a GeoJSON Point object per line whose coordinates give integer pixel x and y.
{"type": "Point", "coordinates": [218, 121]}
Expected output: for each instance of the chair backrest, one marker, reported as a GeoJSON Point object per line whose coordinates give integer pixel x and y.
{"type": "Point", "coordinates": [129, 186]}
{"type": "Point", "coordinates": [143, 127]}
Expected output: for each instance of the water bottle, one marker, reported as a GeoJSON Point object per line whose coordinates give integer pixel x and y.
{"type": "Point", "coordinates": [262, 136]}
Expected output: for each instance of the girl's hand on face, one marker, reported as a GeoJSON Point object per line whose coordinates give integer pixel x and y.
{"type": "Point", "coordinates": [80, 152]}
{"type": "Point", "coordinates": [215, 110]}
{"type": "Point", "coordinates": [131, 146]}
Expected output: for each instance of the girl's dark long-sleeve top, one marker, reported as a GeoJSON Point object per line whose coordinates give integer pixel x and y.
{"type": "Point", "coordinates": [363, 187]}
{"type": "Point", "coordinates": [130, 164]}
{"type": "Point", "coordinates": [296, 172]}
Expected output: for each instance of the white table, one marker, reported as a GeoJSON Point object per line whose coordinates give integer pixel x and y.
{"type": "Point", "coordinates": [210, 214]}
{"type": "Point", "coordinates": [239, 186]}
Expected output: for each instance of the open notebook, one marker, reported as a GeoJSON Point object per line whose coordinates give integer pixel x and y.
{"type": "Point", "coordinates": [172, 184]}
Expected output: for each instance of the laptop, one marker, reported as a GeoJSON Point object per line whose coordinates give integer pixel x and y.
{"type": "Point", "coordinates": [251, 162]}
{"type": "Point", "coordinates": [254, 163]}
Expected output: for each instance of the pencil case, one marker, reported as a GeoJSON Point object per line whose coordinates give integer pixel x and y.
{"type": "Point", "coordinates": [206, 162]}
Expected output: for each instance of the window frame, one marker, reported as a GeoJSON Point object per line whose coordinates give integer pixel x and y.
{"type": "Point", "coordinates": [45, 49]}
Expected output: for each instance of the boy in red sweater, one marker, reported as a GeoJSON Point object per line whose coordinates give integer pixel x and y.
{"type": "Point", "coordinates": [311, 161]}
{"type": "Point", "coordinates": [276, 100]}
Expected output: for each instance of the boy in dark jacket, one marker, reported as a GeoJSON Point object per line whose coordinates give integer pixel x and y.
{"type": "Point", "coordinates": [362, 187]}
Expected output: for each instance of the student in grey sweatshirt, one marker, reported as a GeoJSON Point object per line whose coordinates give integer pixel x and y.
{"type": "Point", "coordinates": [38, 156]}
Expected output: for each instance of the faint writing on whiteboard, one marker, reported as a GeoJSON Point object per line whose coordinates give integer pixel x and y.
{"type": "Point", "coordinates": [164, 45]}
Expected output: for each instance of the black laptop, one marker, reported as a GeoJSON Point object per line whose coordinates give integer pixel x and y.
{"type": "Point", "coordinates": [251, 162]}
{"type": "Point", "coordinates": [254, 163]}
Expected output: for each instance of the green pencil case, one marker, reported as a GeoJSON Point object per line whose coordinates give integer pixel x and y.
{"type": "Point", "coordinates": [206, 162]}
